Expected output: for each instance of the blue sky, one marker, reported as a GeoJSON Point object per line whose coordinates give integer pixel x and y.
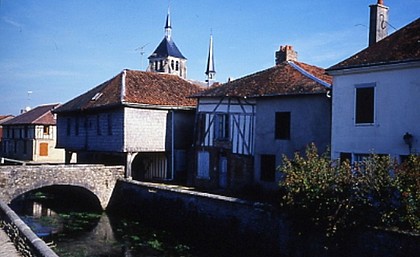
{"type": "Point", "coordinates": [59, 49]}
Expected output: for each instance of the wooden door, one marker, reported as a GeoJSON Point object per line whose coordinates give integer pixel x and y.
{"type": "Point", "coordinates": [43, 149]}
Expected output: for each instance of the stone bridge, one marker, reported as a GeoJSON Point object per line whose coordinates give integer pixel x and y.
{"type": "Point", "coordinates": [97, 179]}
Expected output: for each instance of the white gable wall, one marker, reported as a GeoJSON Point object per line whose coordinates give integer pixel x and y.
{"type": "Point", "coordinates": [397, 111]}
{"type": "Point", "coordinates": [145, 130]}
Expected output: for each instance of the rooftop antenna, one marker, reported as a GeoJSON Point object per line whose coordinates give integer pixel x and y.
{"type": "Point", "coordinates": [141, 49]}
{"type": "Point", "coordinates": [27, 108]}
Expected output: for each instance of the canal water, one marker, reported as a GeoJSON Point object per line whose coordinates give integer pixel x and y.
{"type": "Point", "coordinates": [76, 230]}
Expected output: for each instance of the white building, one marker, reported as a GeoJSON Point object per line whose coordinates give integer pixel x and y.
{"type": "Point", "coordinates": [376, 98]}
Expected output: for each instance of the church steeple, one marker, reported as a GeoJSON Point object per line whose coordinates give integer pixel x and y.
{"type": "Point", "coordinates": [168, 28]}
{"type": "Point", "coordinates": [210, 71]}
{"type": "Point", "coordinates": [167, 58]}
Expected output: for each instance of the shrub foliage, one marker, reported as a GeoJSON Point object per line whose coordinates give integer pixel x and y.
{"type": "Point", "coordinates": [336, 195]}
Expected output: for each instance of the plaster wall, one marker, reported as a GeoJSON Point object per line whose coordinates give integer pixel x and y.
{"type": "Point", "coordinates": [397, 111]}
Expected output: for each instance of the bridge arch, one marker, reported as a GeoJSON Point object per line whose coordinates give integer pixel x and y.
{"type": "Point", "coordinates": [71, 194]}
{"type": "Point", "coordinates": [98, 179]}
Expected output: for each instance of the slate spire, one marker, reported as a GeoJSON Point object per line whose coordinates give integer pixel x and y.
{"type": "Point", "coordinates": [168, 27]}
{"type": "Point", "coordinates": [210, 71]}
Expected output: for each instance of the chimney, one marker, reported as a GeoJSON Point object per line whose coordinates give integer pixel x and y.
{"type": "Point", "coordinates": [285, 53]}
{"type": "Point", "coordinates": [378, 25]}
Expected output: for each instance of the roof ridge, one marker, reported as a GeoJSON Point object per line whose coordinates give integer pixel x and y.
{"type": "Point", "coordinates": [308, 74]}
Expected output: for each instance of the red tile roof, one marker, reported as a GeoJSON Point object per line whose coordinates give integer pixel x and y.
{"type": "Point", "coordinates": [40, 115]}
{"type": "Point", "coordinates": [132, 87]}
{"type": "Point", "coordinates": [401, 46]}
{"type": "Point", "coordinates": [286, 78]}
{"type": "Point", "coordinates": [4, 118]}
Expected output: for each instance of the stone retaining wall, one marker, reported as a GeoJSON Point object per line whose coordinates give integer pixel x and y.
{"type": "Point", "coordinates": [256, 229]}
{"type": "Point", "coordinates": [25, 240]}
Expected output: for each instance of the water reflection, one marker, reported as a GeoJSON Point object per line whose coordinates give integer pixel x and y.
{"type": "Point", "coordinates": [94, 234]}
{"type": "Point", "coordinates": [41, 219]}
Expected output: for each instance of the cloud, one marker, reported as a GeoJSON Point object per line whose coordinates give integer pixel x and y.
{"type": "Point", "coordinates": [12, 22]}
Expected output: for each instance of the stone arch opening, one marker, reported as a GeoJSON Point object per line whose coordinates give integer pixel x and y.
{"type": "Point", "coordinates": [76, 197]}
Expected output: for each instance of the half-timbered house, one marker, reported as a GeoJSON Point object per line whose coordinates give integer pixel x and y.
{"type": "Point", "coordinates": [245, 126]}
{"type": "Point", "coordinates": [143, 120]}
{"type": "Point", "coordinates": [31, 136]}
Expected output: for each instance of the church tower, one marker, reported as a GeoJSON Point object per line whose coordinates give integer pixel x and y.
{"type": "Point", "coordinates": [167, 58]}
{"type": "Point", "coordinates": [378, 25]}
{"type": "Point", "coordinates": [210, 71]}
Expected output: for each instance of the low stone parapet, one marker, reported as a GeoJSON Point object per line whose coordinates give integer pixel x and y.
{"type": "Point", "coordinates": [25, 240]}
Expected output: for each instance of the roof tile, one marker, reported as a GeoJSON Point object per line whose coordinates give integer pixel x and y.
{"type": "Point", "coordinates": [282, 79]}
{"type": "Point", "coordinates": [138, 87]}
{"type": "Point", "coordinates": [40, 115]}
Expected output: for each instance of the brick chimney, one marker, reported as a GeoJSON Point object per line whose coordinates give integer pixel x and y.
{"type": "Point", "coordinates": [285, 53]}
{"type": "Point", "coordinates": [378, 25]}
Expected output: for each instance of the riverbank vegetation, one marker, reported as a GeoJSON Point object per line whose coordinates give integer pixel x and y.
{"type": "Point", "coordinates": [337, 195]}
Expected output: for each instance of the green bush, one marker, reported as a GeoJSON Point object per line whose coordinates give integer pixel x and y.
{"type": "Point", "coordinates": [407, 182]}
{"type": "Point", "coordinates": [334, 195]}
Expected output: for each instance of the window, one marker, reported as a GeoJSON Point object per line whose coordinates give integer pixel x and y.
{"type": "Point", "coordinates": [68, 126]}
{"type": "Point", "coordinates": [109, 124]}
{"type": "Point", "coordinates": [365, 107]}
{"type": "Point", "coordinates": [360, 157]}
{"type": "Point", "coordinates": [172, 65]}
{"type": "Point", "coordinates": [46, 130]}
{"type": "Point", "coordinates": [345, 157]}
{"type": "Point", "coordinates": [76, 127]}
{"type": "Point", "coordinates": [282, 125]}
{"type": "Point", "coordinates": [221, 127]}
{"type": "Point", "coordinates": [268, 167]}
{"type": "Point", "coordinates": [203, 165]}
{"type": "Point", "coordinates": [177, 65]}
{"type": "Point", "coordinates": [98, 125]}
{"type": "Point", "coordinates": [26, 131]}
{"type": "Point", "coordinates": [201, 128]}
